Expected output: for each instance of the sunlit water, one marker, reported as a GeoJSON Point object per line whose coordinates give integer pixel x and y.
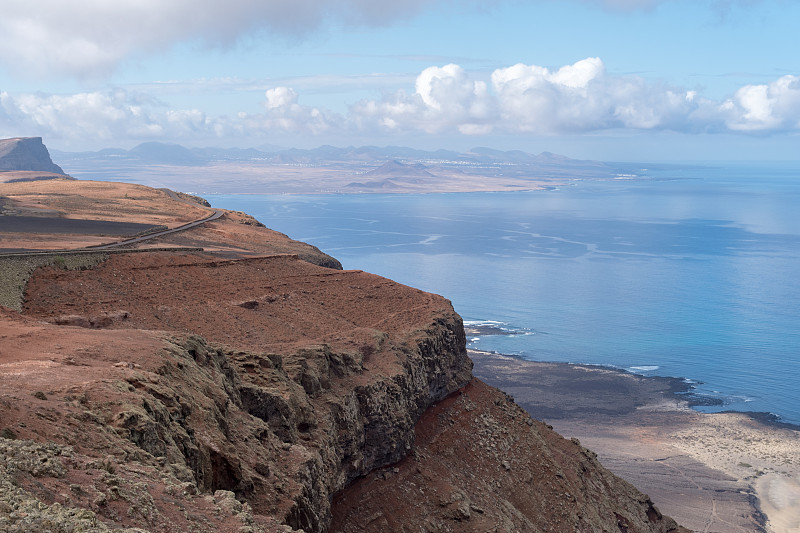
{"type": "Point", "coordinates": [688, 272]}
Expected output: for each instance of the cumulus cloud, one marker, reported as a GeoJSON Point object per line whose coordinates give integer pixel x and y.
{"type": "Point", "coordinates": [87, 37]}
{"type": "Point", "coordinates": [119, 115]}
{"type": "Point", "coordinates": [285, 114]}
{"type": "Point", "coordinates": [520, 99]}
{"type": "Point", "coordinates": [98, 115]}
{"type": "Point", "coordinates": [775, 106]}
{"type": "Point", "coordinates": [536, 99]}
{"type": "Point", "coordinates": [445, 99]}
{"type": "Point", "coordinates": [529, 99]}
{"type": "Point", "coordinates": [280, 97]}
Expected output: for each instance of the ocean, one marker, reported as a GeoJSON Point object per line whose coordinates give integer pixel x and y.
{"type": "Point", "coordinates": [681, 271]}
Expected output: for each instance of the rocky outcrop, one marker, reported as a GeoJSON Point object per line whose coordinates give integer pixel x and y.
{"type": "Point", "coordinates": [480, 463]}
{"type": "Point", "coordinates": [216, 419]}
{"type": "Point", "coordinates": [26, 154]}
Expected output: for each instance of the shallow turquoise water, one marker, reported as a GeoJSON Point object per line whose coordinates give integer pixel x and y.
{"type": "Point", "coordinates": [689, 272]}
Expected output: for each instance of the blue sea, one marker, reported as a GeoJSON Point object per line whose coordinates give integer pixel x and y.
{"type": "Point", "coordinates": [681, 271]}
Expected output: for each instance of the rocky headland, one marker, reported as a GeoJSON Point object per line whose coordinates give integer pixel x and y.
{"type": "Point", "coordinates": [226, 378]}
{"type": "Point", "coordinates": [26, 159]}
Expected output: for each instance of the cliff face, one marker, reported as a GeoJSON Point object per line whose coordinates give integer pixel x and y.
{"type": "Point", "coordinates": [316, 378]}
{"type": "Point", "coordinates": [26, 154]}
{"type": "Point", "coordinates": [188, 391]}
{"type": "Point", "coordinates": [480, 463]}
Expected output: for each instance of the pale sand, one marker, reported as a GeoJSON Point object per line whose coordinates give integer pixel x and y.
{"type": "Point", "coordinates": [765, 458]}
{"type": "Point", "coordinates": [780, 501]}
{"type": "Point", "coordinates": [721, 472]}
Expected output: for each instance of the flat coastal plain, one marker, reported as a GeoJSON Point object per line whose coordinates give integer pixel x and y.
{"type": "Point", "coordinates": [722, 472]}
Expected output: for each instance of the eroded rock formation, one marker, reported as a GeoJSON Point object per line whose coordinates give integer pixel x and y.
{"type": "Point", "coordinates": [480, 463]}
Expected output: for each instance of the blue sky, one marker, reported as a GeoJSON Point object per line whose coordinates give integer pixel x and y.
{"type": "Point", "coordinates": [649, 80]}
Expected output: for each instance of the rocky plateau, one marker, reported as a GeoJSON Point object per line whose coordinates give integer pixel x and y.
{"type": "Point", "coordinates": [228, 378]}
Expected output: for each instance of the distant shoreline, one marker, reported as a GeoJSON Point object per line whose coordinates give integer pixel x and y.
{"type": "Point", "coordinates": [560, 388]}
{"type": "Point", "coordinates": [698, 467]}
{"type": "Point", "coordinates": [680, 388]}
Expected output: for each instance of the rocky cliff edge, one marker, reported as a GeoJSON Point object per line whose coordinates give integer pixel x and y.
{"type": "Point", "coordinates": [185, 391]}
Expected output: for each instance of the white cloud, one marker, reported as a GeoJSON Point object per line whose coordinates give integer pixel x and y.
{"type": "Point", "coordinates": [771, 107]}
{"type": "Point", "coordinates": [123, 116]}
{"type": "Point", "coordinates": [528, 99]}
{"type": "Point", "coordinates": [98, 115]}
{"type": "Point", "coordinates": [284, 113]}
{"type": "Point", "coordinates": [519, 100]}
{"type": "Point", "coordinates": [535, 99]}
{"type": "Point", "coordinates": [445, 99]}
{"type": "Point", "coordinates": [279, 97]}
{"type": "Point", "coordinates": [87, 37]}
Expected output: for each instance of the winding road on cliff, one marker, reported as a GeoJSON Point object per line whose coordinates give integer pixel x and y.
{"type": "Point", "coordinates": [215, 214]}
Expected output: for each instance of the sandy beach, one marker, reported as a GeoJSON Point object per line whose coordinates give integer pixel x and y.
{"type": "Point", "coordinates": [724, 472]}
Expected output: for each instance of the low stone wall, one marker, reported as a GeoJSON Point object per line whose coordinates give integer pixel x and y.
{"type": "Point", "coordinates": [16, 268]}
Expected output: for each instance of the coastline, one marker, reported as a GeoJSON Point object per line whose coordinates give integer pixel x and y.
{"type": "Point", "coordinates": [726, 471]}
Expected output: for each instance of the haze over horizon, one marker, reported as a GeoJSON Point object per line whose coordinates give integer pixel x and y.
{"type": "Point", "coordinates": [648, 80]}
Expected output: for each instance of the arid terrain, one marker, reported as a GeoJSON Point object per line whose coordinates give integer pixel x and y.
{"type": "Point", "coordinates": [226, 378]}
{"type": "Point", "coordinates": [726, 472]}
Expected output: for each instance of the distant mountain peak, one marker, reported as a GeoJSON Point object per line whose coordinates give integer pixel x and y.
{"type": "Point", "coordinates": [394, 168]}
{"type": "Point", "coordinates": [552, 157]}
{"type": "Point", "coordinates": [165, 153]}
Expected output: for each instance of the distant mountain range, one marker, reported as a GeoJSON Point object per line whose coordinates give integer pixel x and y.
{"type": "Point", "coordinates": [326, 169]}
{"type": "Point", "coordinates": [395, 168]}
{"type": "Point", "coordinates": [175, 154]}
